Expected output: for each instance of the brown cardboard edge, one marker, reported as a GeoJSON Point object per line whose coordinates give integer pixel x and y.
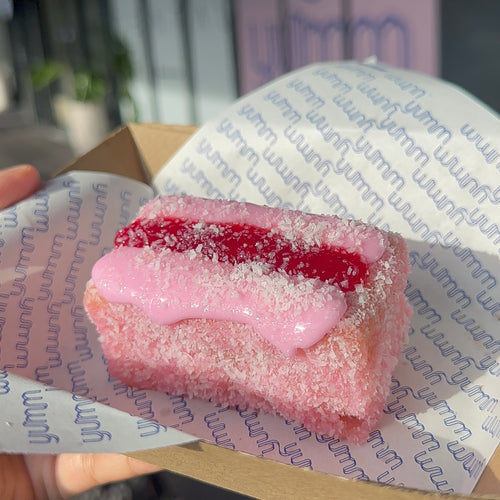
{"type": "Point", "coordinates": [132, 150]}
{"type": "Point", "coordinates": [489, 482]}
{"type": "Point", "coordinates": [152, 134]}
{"type": "Point", "coordinates": [138, 151]}
{"type": "Point", "coordinates": [266, 479]}
{"type": "Point", "coordinates": [117, 154]}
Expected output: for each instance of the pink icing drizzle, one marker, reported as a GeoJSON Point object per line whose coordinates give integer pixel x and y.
{"type": "Point", "coordinates": [288, 311]}
{"type": "Point", "coordinates": [172, 286]}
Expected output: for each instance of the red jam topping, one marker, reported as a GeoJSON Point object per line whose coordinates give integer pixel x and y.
{"type": "Point", "coordinates": [238, 243]}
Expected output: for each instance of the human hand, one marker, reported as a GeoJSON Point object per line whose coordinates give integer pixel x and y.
{"type": "Point", "coordinates": [55, 477]}
{"type": "Point", "coordinates": [27, 477]}
{"type": "Point", "coordinates": [17, 183]}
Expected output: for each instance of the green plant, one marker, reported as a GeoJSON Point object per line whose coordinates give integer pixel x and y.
{"type": "Point", "coordinates": [82, 85]}
{"type": "Point", "coordinates": [86, 85]}
{"type": "Point", "coordinates": [46, 73]}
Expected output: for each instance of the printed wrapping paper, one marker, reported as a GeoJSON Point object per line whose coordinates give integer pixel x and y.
{"type": "Point", "coordinates": [397, 149]}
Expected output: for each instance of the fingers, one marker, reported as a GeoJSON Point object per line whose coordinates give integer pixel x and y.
{"type": "Point", "coordinates": [76, 473]}
{"type": "Point", "coordinates": [15, 481]}
{"type": "Point", "coordinates": [17, 183]}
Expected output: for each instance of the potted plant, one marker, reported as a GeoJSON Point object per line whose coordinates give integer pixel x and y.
{"type": "Point", "coordinates": [79, 105]}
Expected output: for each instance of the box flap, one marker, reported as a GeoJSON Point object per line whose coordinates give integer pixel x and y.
{"type": "Point", "coordinates": [117, 154]}
{"type": "Point", "coordinates": [136, 150]}
{"type": "Point", "coordinates": [156, 143]}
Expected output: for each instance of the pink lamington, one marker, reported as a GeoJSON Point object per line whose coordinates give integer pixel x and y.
{"type": "Point", "coordinates": [291, 313]}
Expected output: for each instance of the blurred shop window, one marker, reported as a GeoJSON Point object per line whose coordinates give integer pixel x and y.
{"type": "Point", "coordinates": [470, 47]}
{"type": "Point", "coordinates": [183, 61]}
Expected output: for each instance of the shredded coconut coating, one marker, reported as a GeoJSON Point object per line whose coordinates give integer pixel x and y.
{"type": "Point", "coordinates": [336, 387]}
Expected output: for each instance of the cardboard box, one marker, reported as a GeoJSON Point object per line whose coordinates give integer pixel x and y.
{"type": "Point", "coordinates": [138, 151]}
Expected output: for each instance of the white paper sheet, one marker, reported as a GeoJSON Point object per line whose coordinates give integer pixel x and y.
{"type": "Point", "coordinates": [411, 154]}
{"type": "Point", "coordinates": [397, 149]}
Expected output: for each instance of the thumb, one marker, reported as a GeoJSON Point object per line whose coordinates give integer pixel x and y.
{"type": "Point", "coordinates": [17, 183]}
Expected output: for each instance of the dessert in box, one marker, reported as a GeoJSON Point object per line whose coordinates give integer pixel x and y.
{"type": "Point", "coordinates": [139, 151]}
{"type": "Point", "coordinates": [292, 313]}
